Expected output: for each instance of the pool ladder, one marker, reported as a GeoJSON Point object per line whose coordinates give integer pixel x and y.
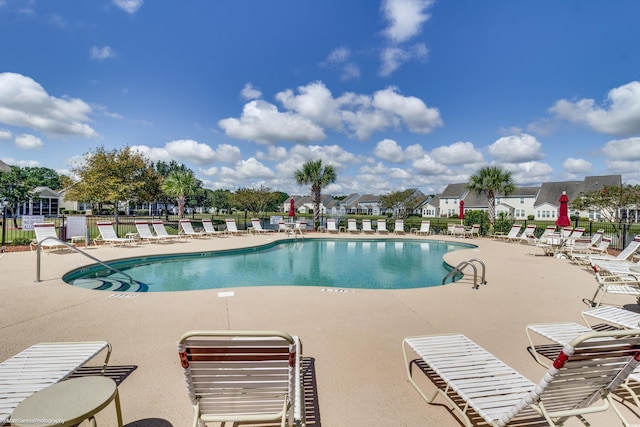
{"type": "Point", "coordinates": [62, 242]}
{"type": "Point", "coordinates": [471, 263]}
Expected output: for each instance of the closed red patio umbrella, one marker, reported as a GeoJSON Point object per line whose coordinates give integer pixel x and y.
{"type": "Point", "coordinates": [461, 215]}
{"type": "Point", "coordinates": [563, 219]}
{"type": "Point", "coordinates": [292, 208]}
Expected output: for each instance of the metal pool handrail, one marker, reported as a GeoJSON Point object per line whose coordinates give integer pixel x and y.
{"type": "Point", "coordinates": [39, 251]}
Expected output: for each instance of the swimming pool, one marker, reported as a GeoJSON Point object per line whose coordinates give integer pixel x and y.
{"type": "Point", "coordinates": [340, 263]}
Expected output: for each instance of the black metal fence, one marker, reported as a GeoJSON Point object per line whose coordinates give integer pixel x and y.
{"type": "Point", "coordinates": [14, 234]}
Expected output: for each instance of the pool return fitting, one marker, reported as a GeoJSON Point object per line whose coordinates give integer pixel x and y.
{"type": "Point", "coordinates": [458, 270]}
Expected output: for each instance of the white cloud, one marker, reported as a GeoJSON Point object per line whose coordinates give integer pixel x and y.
{"type": "Point", "coordinates": [339, 59]}
{"type": "Point", "coordinates": [530, 173]}
{"type": "Point", "coordinates": [249, 92]}
{"type": "Point", "coordinates": [338, 55]}
{"type": "Point", "coordinates": [129, 6]}
{"type": "Point", "coordinates": [154, 154]}
{"type": "Point", "coordinates": [5, 134]}
{"type": "Point", "coordinates": [314, 102]}
{"type": "Point", "coordinates": [413, 111]}
{"type": "Point", "coordinates": [350, 71]}
{"type": "Point", "coordinates": [314, 108]}
{"type": "Point", "coordinates": [458, 153]}
{"type": "Point", "coordinates": [253, 169]}
{"type": "Point", "coordinates": [21, 163]}
{"type": "Point", "coordinates": [263, 123]}
{"type": "Point", "coordinates": [389, 150]}
{"type": "Point", "coordinates": [405, 18]}
{"type": "Point", "coordinates": [273, 153]}
{"type": "Point", "coordinates": [622, 149]}
{"type": "Point", "coordinates": [427, 165]}
{"type": "Point", "coordinates": [189, 150]}
{"type": "Point", "coordinates": [414, 152]}
{"type": "Point", "coordinates": [228, 153]}
{"type": "Point", "coordinates": [393, 57]}
{"type": "Point", "coordinates": [399, 173]}
{"type": "Point", "coordinates": [28, 142]}
{"type": "Point", "coordinates": [619, 117]}
{"type": "Point", "coordinates": [577, 166]}
{"type": "Point", "coordinates": [25, 103]}
{"type": "Point", "coordinates": [516, 148]}
{"type": "Point", "coordinates": [101, 53]}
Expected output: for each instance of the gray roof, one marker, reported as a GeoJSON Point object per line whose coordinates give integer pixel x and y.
{"type": "Point", "coordinates": [454, 191]}
{"type": "Point", "coordinates": [522, 192]}
{"type": "Point", "coordinates": [4, 167]}
{"type": "Point", "coordinates": [474, 200]}
{"type": "Point", "coordinates": [550, 192]}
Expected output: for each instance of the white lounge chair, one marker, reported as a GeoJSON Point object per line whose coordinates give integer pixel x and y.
{"type": "Point", "coordinates": [232, 228]}
{"type": "Point", "coordinates": [617, 284]}
{"type": "Point", "coordinates": [145, 233]}
{"type": "Point", "coordinates": [283, 227]}
{"type": "Point", "coordinates": [425, 228]}
{"type": "Point", "coordinates": [299, 227]}
{"type": "Point", "coordinates": [331, 226]}
{"type": "Point", "coordinates": [46, 237]}
{"type": "Point", "coordinates": [257, 227]}
{"type": "Point", "coordinates": [451, 228]}
{"type": "Point", "coordinates": [583, 258]}
{"type": "Point", "coordinates": [40, 366]}
{"type": "Point", "coordinates": [208, 229]}
{"type": "Point", "coordinates": [473, 381]}
{"type": "Point", "coordinates": [624, 255]}
{"type": "Point", "coordinates": [366, 226]}
{"type": "Point", "coordinates": [382, 226]}
{"type": "Point", "coordinates": [458, 230]}
{"type": "Point", "coordinates": [161, 231]}
{"type": "Point", "coordinates": [526, 234]}
{"type": "Point", "coordinates": [399, 227]}
{"type": "Point", "coordinates": [243, 377]}
{"type": "Point", "coordinates": [616, 316]}
{"type": "Point", "coordinates": [472, 232]}
{"type": "Point", "coordinates": [511, 235]}
{"type": "Point", "coordinates": [352, 226]}
{"type": "Point", "coordinates": [186, 229]}
{"type": "Point", "coordinates": [563, 333]}
{"type": "Point", "coordinates": [108, 235]}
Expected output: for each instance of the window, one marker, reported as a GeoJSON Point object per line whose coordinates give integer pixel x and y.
{"type": "Point", "coordinates": [521, 200]}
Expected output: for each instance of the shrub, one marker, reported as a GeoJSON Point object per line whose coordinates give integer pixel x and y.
{"type": "Point", "coordinates": [20, 241]}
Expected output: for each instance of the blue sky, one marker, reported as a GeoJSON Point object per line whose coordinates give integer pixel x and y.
{"type": "Point", "coordinates": [394, 94]}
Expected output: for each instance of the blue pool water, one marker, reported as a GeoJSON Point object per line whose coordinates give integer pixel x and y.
{"type": "Point", "coordinates": [370, 264]}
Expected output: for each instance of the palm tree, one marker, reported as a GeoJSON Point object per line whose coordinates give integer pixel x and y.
{"type": "Point", "coordinates": [180, 185]}
{"type": "Point", "coordinates": [319, 176]}
{"type": "Point", "coordinates": [492, 180]}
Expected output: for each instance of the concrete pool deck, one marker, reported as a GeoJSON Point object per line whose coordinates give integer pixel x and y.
{"type": "Point", "coordinates": [352, 339]}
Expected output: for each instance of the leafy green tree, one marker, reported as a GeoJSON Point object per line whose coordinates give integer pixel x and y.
{"type": "Point", "coordinates": [492, 180]}
{"type": "Point", "coordinates": [180, 185]}
{"type": "Point", "coordinates": [612, 202]}
{"type": "Point", "coordinates": [17, 184]}
{"type": "Point", "coordinates": [252, 200]}
{"type": "Point", "coordinates": [164, 169]}
{"type": "Point", "coordinates": [319, 176]}
{"type": "Point", "coordinates": [115, 176]}
{"type": "Point", "coordinates": [402, 203]}
{"type": "Point", "coordinates": [277, 201]}
{"type": "Point", "coordinates": [222, 200]}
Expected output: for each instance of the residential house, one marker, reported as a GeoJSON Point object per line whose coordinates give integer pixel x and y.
{"type": "Point", "coordinates": [517, 205]}
{"type": "Point", "coordinates": [450, 199]}
{"type": "Point", "coordinates": [547, 203]}
{"type": "Point", "coordinates": [46, 202]}
{"type": "Point", "coordinates": [430, 207]}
